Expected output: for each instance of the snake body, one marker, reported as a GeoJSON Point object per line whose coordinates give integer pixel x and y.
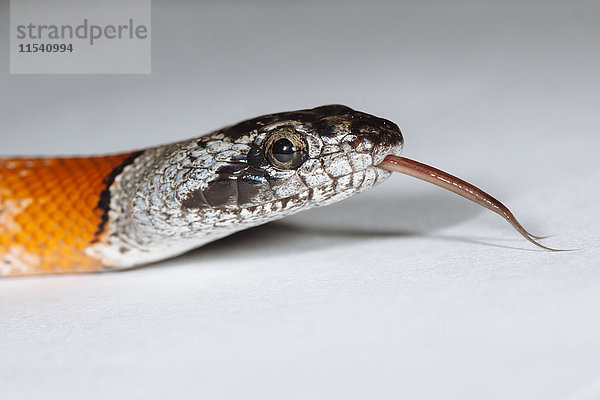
{"type": "Point", "coordinates": [95, 213]}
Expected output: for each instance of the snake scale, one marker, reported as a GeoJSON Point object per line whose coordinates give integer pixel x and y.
{"type": "Point", "coordinates": [83, 214]}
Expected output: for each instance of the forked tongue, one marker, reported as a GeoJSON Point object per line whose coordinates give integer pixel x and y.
{"type": "Point", "coordinates": [452, 183]}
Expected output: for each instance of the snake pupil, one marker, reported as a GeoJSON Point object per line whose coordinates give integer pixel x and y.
{"type": "Point", "coordinates": [283, 150]}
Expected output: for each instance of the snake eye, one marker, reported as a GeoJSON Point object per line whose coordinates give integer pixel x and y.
{"type": "Point", "coordinates": [286, 149]}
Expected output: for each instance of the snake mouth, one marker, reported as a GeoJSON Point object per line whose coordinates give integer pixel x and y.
{"type": "Point", "coordinates": [381, 152]}
{"type": "Point", "coordinates": [395, 163]}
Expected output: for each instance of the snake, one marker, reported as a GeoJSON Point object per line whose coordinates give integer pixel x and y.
{"type": "Point", "coordinates": [114, 212]}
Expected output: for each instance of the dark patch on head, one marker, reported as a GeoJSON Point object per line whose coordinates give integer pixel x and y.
{"type": "Point", "coordinates": [251, 186]}
{"type": "Point", "coordinates": [248, 191]}
{"type": "Point", "coordinates": [236, 185]}
{"type": "Point", "coordinates": [221, 193]}
{"type": "Point", "coordinates": [104, 200]}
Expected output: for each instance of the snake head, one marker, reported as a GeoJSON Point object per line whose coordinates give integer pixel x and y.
{"type": "Point", "coordinates": [289, 160]}
{"type": "Point", "coordinates": [179, 196]}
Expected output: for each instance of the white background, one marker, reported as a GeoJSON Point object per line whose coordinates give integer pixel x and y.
{"type": "Point", "coordinates": [406, 291]}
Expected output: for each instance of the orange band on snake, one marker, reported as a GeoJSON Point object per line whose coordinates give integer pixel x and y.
{"type": "Point", "coordinates": [51, 209]}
